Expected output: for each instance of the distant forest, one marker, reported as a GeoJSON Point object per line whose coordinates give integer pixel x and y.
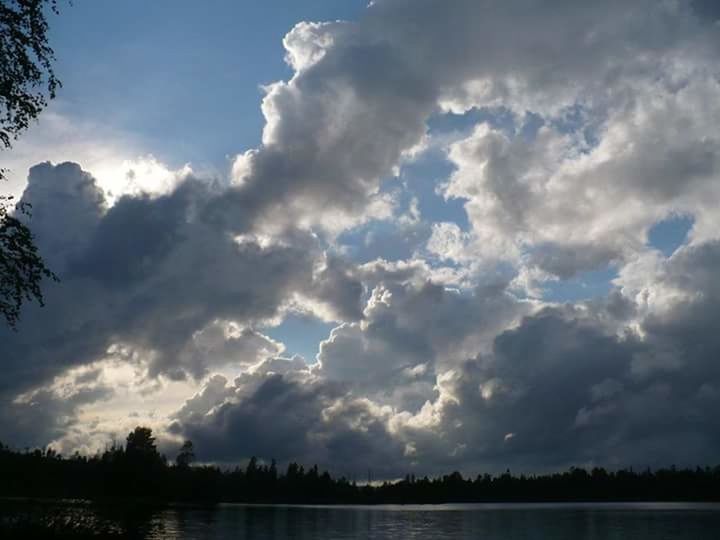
{"type": "Point", "coordinates": [138, 471]}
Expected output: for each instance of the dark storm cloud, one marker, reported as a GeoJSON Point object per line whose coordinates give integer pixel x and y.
{"type": "Point", "coordinates": [575, 385]}
{"type": "Point", "coordinates": [44, 415]}
{"type": "Point", "coordinates": [527, 394]}
{"type": "Point", "coordinates": [288, 415]}
{"type": "Point", "coordinates": [417, 376]}
{"type": "Point", "coordinates": [570, 385]}
{"type": "Point", "coordinates": [409, 334]}
{"type": "Point", "coordinates": [707, 9]}
{"type": "Point", "coordinates": [67, 206]}
{"type": "Point", "coordinates": [566, 261]}
{"type": "Point", "coordinates": [336, 285]}
{"type": "Point", "coordinates": [146, 274]}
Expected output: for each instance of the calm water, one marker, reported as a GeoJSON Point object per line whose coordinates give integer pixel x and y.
{"type": "Point", "coordinates": [631, 521]}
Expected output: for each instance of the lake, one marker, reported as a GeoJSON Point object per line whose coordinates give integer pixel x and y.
{"type": "Point", "coordinates": [592, 521]}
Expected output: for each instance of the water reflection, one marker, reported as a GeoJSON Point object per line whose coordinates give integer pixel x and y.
{"type": "Point", "coordinates": [657, 521]}
{"type": "Point", "coordinates": [489, 522]}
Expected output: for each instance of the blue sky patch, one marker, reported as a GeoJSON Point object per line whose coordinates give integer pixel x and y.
{"type": "Point", "coordinates": [582, 287]}
{"type": "Point", "coordinates": [184, 80]}
{"type": "Point", "coordinates": [422, 177]}
{"type": "Point", "coordinates": [669, 234]}
{"type": "Point", "coordinates": [301, 335]}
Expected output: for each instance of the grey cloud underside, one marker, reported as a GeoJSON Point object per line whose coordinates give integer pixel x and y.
{"type": "Point", "coordinates": [571, 389]}
{"type": "Point", "coordinates": [291, 417]}
{"type": "Point", "coordinates": [417, 375]}
{"type": "Point", "coordinates": [46, 416]}
{"type": "Point", "coordinates": [569, 385]}
{"type": "Point", "coordinates": [146, 275]}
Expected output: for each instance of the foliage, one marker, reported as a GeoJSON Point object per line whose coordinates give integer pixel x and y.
{"type": "Point", "coordinates": [27, 81]}
{"type": "Point", "coordinates": [22, 269]}
{"type": "Point", "coordinates": [27, 78]}
{"type": "Point", "coordinates": [141, 443]}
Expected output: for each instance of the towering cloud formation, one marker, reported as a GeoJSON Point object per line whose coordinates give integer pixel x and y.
{"type": "Point", "coordinates": [598, 123]}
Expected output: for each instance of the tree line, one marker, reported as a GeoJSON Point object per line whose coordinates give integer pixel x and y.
{"type": "Point", "coordinates": [138, 471]}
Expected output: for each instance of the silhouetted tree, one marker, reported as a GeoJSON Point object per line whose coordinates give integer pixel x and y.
{"type": "Point", "coordinates": [142, 463]}
{"type": "Point", "coordinates": [140, 442]}
{"type": "Point", "coordinates": [27, 81]}
{"type": "Point", "coordinates": [186, 455]}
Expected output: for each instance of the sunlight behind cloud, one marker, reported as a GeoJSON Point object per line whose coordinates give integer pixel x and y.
{"type": "Point", "coordinates": [141, 175]}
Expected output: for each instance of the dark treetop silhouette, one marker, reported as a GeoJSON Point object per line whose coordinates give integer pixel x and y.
{"type": "Point", "coordinates": [138, 471]}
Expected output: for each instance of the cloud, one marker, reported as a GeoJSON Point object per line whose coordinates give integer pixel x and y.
{"type": "Point", "coordinates": [578, 197]}
{"type": "Point", "coordinates": [411, 332]}
{"type": "Point", "coordinates": [60, 137]}
{"type": "Point", "coordinates": [147, 275]}
{"type": "Point", "coordinates": [283, 411]}
{"type": "Point", "coordinates": [597, 383]}
{"type": "Point", "coordinates": [66, 205]}
{"type": "Point", "coordinates": [610, 117]}
{"type": "Point", "coordinates": [616, 382]}
{"type": "Point", "coordinates": [361, 92]}
{"type": "Point", "coordinates": [39, 416]}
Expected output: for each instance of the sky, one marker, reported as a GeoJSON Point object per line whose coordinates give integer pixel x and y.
{"type": "Point", "coordinates": [409, 236]}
